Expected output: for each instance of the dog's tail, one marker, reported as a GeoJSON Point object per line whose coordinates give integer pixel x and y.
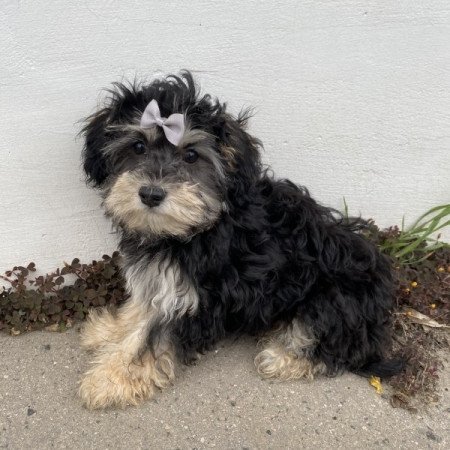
{"type": "Point", "coordinates": [383, 368]}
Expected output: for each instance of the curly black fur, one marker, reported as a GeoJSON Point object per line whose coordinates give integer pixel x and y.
{"type": "Point", "coordinates": [272, 255]}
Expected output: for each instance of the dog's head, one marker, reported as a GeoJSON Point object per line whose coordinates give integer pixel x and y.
{"type": "Point", "coordinates": [168, 177]}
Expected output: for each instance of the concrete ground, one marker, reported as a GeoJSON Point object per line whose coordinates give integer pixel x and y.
{"type": "Point", "coordinates": [220, 403]}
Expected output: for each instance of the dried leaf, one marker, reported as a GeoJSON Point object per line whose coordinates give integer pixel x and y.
{"type": "Point", "coordinates": [417, 317]}
{"type": "Point", "coordinates": [376, 383]}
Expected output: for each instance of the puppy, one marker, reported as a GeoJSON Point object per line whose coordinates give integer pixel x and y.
{"type": "Point", "coordinates": [212, 244]}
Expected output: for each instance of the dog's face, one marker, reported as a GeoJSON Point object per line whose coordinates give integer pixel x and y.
{"type": "Point", "coordinates": [158, 188]}
{"type": "Point", "coordinates": [163, 189]}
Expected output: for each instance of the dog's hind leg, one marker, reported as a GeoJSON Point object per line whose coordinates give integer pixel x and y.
{"type": "Point", "coordinates": [286, 353]}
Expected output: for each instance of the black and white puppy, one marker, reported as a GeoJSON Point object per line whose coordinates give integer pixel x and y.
{"type": "Point", "coordinates": [213, 244]}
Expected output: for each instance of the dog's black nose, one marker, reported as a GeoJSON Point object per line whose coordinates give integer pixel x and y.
{"type": "Point", "coordinates": [151, 196]}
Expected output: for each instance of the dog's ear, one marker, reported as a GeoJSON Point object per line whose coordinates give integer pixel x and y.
{"type": "Point", "coordinates": [95, 139]}
{"type": "Point", "coordinates": [239, 148]}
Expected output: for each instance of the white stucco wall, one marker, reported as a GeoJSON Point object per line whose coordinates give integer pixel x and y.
{"type": "Point", "coordinates": [352, 99]}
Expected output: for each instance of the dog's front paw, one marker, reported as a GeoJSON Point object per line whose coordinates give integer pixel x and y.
{"type": "Point", "coordinates": [107, 385]}
{"type": "Point", "coordinates": [116, 381]}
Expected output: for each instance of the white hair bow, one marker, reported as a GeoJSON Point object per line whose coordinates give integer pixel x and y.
{"type": "Point", "coordinates": [173, 126]}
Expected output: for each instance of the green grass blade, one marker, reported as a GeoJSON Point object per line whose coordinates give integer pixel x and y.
{"type": "Point", "coordinates": [434, 226]}
{"type": "Point", "coordinates": [445, 212]}
{"type": "Point", "coordinates": [345, 209]}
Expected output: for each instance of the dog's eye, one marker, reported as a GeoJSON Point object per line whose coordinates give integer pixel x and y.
{"type": "Point", "coordinates": [190, 156]}
{"type": "Point", "coordinates": [139, 147]}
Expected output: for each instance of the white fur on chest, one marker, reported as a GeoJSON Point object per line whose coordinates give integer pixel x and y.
{"type": "Point", "coordinates": [159, 284]}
